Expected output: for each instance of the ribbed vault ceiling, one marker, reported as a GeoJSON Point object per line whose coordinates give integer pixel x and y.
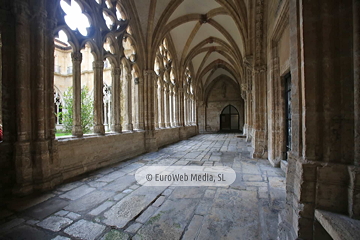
{"type": "Point", "coordinates": [208, 35]}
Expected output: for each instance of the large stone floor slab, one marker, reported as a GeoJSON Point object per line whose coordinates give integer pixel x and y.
{"type": "Point", "coordinates": [110, 204]}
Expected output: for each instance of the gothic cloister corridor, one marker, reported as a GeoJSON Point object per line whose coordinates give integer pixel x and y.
{"type": "Point", "coordinates": [109, 204]}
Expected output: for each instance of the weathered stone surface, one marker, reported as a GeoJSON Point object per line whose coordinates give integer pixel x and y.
{"type": "Point", "coordinates": [73, 216]}
{"type": "Point", "coordinates": [193, 228]}
{"type": "Point", "coordinates": [89, 201]}
{"type": "Point", "coordinates": [28, 202]}
{"type": "Point", "coordinates": [27, 232]}
{"type": "Point", "coordinates": [231, 216]}
{"type": "Point", "coordinates": [338, 226]}
{"type": "Point", "coordinates": [209, 193]}
{"type": "Point", "coordinates": [248, 208]}
{"type": "Point", "coordinates": [77, 192]}
{"type": "Point", "coordinates": [146, 214]}
{"type": "Point", "coordinates": [47, 208]}
{"type": "Point", "coordinates": [188, 192]}
{"type": "Point", "coordinates": [111, 176]}
{"type": "Point", "coordinates": [60, 238]}
{"type": "Point", "coordinates": [85, 230]}
{"type": "Point", "coordinates": [120, 184]}
{"type": "Point", "coordinates": [159, 201]}
{"type": "Point", "coordinates": [11, 224]}
{"type": "Point", "coordinates": [115, 235]}
{"type": "Point", "coordinates": [101, 208]}
{"type": "Point", "coordinates": [127, 209]}
{"type": "Point", "coordinates": [133, 228]}
{"type": "Point", "coordinates": [69, 186]}
{"type": "Point", "coordinates": [55, 223]}
{"type": "Point", "coordinates": [169, 221]}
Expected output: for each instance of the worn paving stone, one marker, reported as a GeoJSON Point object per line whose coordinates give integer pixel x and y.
{"type": "Point", "coordinates": [55, 223]}
{"type": "Point", "coordinates": [11, 224]}
{"type": "Point", "coordinates": [28, 232]}
{"type": "Point", "coordinates": [146, 214]}
{"type": "Point", "coordinates": [133, 228]}
{"type": "Point", "coordinates": [169, 221]}
{"type": "Point", "coordinates": [194, 227]}
{"type": "Point", "coordinates": [167, 192]}
{"type": "Point", "coordinates": [159, 201]}
{"type": "Point", "coordinates": [101, 208]}
{"type": "Point", "coordinates": [126, 191]}
{"type": "Point", "coordinates": [89, 201]}
{"type": "Point", "coordinates": [77, 192]}
{"type": "Point", "coordinates": [252, 178]}
{"type": "Point", "coordinates": [28, 202]}
{"type": "Point", "coordinates": [188, 192]}
{"type": "Point", "coordinates": [203, 207]}
{"type": "Point", "coordinates": [120, 184]}
{"type": "Point", "coordinates": [246, 210]}
{"type": "Point", "coordinates": [119, 196]}
{"type": "Point", "coordinates": [60, 238]}
{"type": "Point", "coordinates": [85, 230]}
{"type": "Point", "coordinates": [127, 209]}
{"type": "Point", "coordinates": [209, 193]}
{"type": "Point", "coordinates": [234, 213]}
{"type": "Point", "coordinates": [96, 184]}
{"type": "Point", "coordinates": [61, 213]}
{"type": "Point", "coordinates": [115, 235]}
{"type": "Point", "coordinates": [73, 216]}
{"type": "Point", "coordinates": [32, 222]}
{"type": "Point", "coordinates": [69, 186]}
{"type": "Point", "coordinates": [47, 208]}
{"type": "Point", "coordinates": [111, 177]}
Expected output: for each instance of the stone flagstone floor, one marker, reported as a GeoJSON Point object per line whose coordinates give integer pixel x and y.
{"type": "Point", "coordinates": [109, 204]}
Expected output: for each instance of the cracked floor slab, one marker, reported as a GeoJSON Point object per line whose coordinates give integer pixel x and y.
{"type": "Point", "coordinates": [110, 204]}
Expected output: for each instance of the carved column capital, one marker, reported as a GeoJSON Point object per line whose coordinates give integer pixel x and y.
{"type": "Point", "coordinates": [76, 56]}
{"type": "Point", "coordinates": [98, 64]}
{"type": "Point", "coordinates": [21, 11]}
{"type": "Point", "coordinates": [116, 71]}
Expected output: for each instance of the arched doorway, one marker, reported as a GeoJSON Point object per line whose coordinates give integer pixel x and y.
{"type": "Point", "coordinates": [229, 119]}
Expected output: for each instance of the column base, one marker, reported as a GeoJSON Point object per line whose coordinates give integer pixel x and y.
{"type": "Point", "coordinates": [99, 129]}
{"type": "Point", "coordinates": [77, 131]}
{"type": "Point", "coordinates": [116, 128]}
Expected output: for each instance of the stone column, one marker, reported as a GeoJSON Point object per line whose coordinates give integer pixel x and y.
{"type": "Point", "coordinates": [259, 141]}
{"type": "Point", "coordinates": [186, 114]}
{"type": "Point", "coordinates": [356, 29]}
{"type": "Point", "coordinates": [181, 106]}
{"type": "Point", "coordinates": [167, 105]}
{"type": "Point", "coordinates": [322, 114]}
{"type": "Point", "coordinates": [354, 189]}
{"type": "Point", "coordinates": [115, 98]}
{"type": "Point", "coordinates": [171, 106]}
{"type": "Point", "coordinates": [162, 108]}
{"type": "Point", "coordinates": [98, 67]}
{"type": "Point", "coordinates": [42, 167]}
{"type": "Point", "coordinates": [140, 105]}
{"type": "Point", "coordinates": [176, 108]}
{"type": "Point", "coordinates": [149, 108]}
{"type": "Point", "coordinates": [156, 104]}
{"type": "Point", "coordinates": [23, 161]}
{"type": "Point", "coordinates": [129, 102]}
{"type": "Point", "coordinates": [76, 61]}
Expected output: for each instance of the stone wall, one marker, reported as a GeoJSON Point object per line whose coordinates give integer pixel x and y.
{"type": "Point", "coordinates": [223, 93]}
{"type": "Point", "coordinates": [77, 156]}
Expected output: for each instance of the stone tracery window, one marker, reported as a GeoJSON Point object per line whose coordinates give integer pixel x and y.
{"type": "Point", "coordinates": [94, 64]}
{"type": "Point", "coordinates": [74, 17]}
{"type": "Point", "coordinates": [165, 90]}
